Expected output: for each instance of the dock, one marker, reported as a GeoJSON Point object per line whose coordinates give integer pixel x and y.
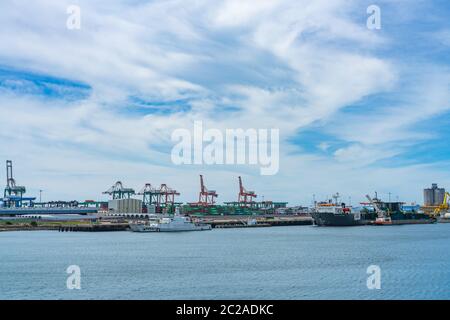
{"type": "Point", "coordinates": [94, 227]}
{"type": "Point", "coordinates": [217, 222]}
{"type": "Point", "coordinates": [265, 221]}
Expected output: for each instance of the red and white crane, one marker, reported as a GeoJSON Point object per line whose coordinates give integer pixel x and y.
{"type": "Point", "coordinates": [206, 197]}
{"type": "Point", "coordinates": [245, 197]}
{"type": "Point", "coordinates": [167, 195]}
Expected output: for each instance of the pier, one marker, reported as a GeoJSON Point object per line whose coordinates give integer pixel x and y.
{"type": "Point", "coordinates": [94, 227]}
{"type": "Point", "coordinates": [265, 221]}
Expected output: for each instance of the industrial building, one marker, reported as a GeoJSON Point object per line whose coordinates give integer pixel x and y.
{"type": "Point", "coordinates": [125, 206]}
{"type": "Point", "coordinates": [433, 196]}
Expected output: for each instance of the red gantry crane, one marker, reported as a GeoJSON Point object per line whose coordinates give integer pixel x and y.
{"type": "Point", "coordinates": [167, 195]}
{"type": "Point", "coordinates": [245, 197]}
{"type": "Point", "coordinates": [206, 197]}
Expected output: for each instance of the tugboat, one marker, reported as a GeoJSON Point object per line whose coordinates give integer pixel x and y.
{"type": "Point", "coordinates": [331, 213]}
{"type": "Point", "coordinates": [173, 224]}
{"type": "Point", "coordinates": [382, 221]}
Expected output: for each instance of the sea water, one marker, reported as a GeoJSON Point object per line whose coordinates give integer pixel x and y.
{"type": "Point", "coordinates": [294, 262]}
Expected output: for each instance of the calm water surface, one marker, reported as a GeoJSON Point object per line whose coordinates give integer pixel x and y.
{"type": "Point", "coordinates": [303, 262]}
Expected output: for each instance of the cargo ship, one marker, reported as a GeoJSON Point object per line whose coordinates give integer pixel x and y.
{"type": "Point", "coordinates": [395, 213]}
{"type": "Point", "coordinates": [334, 213]}
{"type": "Point", "coordinates": [376, 212]}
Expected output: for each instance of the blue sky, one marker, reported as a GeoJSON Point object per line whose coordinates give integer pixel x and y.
{"type": "Point", "coordinates": [358, 110]}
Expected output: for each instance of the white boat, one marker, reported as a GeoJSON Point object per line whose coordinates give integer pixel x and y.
{"type": "Point", "coordinates": [173, 224]}
{"type": "Point", "coordinates": [143, 227]}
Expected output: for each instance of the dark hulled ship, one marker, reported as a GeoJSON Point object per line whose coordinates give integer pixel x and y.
{"type": "Point", "coordinates": [376, 212]}
{"type": "Point", "coordinates": [333, 213]}
{"type": "Point", "coordinates": [395, 213]}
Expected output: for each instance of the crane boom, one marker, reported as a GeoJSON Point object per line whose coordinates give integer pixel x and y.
{"type": "Point", "coordinates": [245, 197]}
{"type": "Point", "coordinates": [206, 197]}
{"type": "Point", "coordinates": [444, 206]}
{"type": "Point", "coordinates": [380, 213]}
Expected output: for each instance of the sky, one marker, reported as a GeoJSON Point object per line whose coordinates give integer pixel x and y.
{"type": "Point", "coordinates": [359, 110]}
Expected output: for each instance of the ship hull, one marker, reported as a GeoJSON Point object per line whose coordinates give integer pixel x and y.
{"type": "Point", "coordinates": [168, 228]}
{"type": "Point", "coordinates": [413, 221]}
{"type": "Point", "coordinates": [338, 220]}
{"type": "Point", "coordinates": [344, 220]}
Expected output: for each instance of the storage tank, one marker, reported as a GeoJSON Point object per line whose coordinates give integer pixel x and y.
{"type": "Point", "coordinates": [433, 196]}
{"type": "Point", "coordinates": [125, 206]}
{"type": "Point", "coordinates": [439, 195]}
{"type": "Point", "coordinates": [428, 197]}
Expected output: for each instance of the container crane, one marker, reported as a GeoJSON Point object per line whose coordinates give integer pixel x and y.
{"type": "Point", "coordinates": [13, 193]}
{"type": "Point", "coordinates": [206, 197]}
{"type": "Point", "coordinates": [150, 195]}
{"type": "Point", "coordinates": [167, 195]}
{"type": "Point", "coordinates": [245, 197]}
{"type": "Point", "coordinates": [117, 191]}
{"type": "Point", "coordinates": [162, 197]}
